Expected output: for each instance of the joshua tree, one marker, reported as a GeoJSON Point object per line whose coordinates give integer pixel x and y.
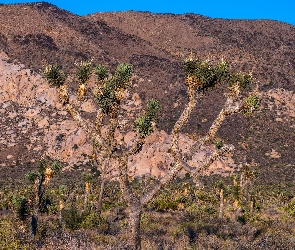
{"type": "Point", "coordinates": [62, 194]}
{"type": "Point", "coordinates": [87, 178]}
{"type": "Point", "coordinates": [223, 192]}
{"type": "Point", "coordinates": [40, 179]}
{"type": "Point", "coordinates": [110, 156]}
{"type": "Point", "coordinates": [200, 77]}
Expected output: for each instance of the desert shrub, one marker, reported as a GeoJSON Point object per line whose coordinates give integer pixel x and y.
{"type": "Point", "coordinates": [72, 218]}
{"type": "Point", "coordinates": [169, 201]}
{"type": "Point", "coordinates": [218, 143]}
{"type": "Point", "coordinates": [93, 220]}
{"type": "Point", "coordinates": [290, 208]}
{"type": "Point", "coordinates": [9, 236]}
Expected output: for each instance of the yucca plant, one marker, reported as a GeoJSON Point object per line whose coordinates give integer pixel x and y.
{"type": "Point", "coordinates": [40, 179]}
{"type": "Point", "coordinates": [83, 73]}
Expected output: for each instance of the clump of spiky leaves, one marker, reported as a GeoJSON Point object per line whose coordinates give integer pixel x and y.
{"type": "Point", "coordinates": [109, 95]}
{"type": "Point", "coordinates": [101, 72]}
{"type": "Point", "coordinates": [83, 71]}
{"type": "Point", "coordinates": [87, 177]}
{"type": "Point", "coordinates": [244, 80]}
{"type": "Point", "coordinates": [122, 76]}
{"type": "Point", "coordinates": [54, 75]}
{"type": "Point", "coordinates": [45, 171]}
{"type": "Point", "coordinates": [83, 74]}
{"type": "Point", "coordinates": [218, 143]}
{"type": "Point", "coordinates": [144, 124]}
{"type": "Point", "coordinates": [251, 104]}
{"type": "Point", "coordinates": [204, 75]}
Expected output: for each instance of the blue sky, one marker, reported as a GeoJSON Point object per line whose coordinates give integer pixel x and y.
{"type": "Point", "coordinates": [281, 10]}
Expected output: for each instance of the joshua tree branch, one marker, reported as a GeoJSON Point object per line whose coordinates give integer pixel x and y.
{"type": "Point", "coordinates": [209, 160]}
{"type": "Point", "coordinates": [110, 137]}
{"type": "Point", "coordinates": [136, 147]}
{"type": "Point", "coordinates": [230, 108]}
{"type": "Point", "coordinates": [123, 180]}
{"type": "Point", "coordinates": [75, 114]}
{"type": "Point", "coordinates": [146, 198]}
{"type": "Point", "coordinates": [180, 123]}
{"type": "Point", "coordinates": [98, 121]}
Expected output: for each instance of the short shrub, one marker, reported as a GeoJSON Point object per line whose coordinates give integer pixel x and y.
{"type": "Point", "coordinates": [290, 208]}
{"type": "Point", "coordinates": [72, 218]}
{"type": "Point", "coordinates": [94, 221]}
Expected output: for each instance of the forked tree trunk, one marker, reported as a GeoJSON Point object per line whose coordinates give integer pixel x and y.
{"type": "Point", "coordinates": [99, 204]}
{"type": "Point", "coordinates": [134, 218]}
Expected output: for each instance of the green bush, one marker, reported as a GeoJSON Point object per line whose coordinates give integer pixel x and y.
{"type": "Point", "coordinates": [94, 221]}
{"type": "Point", "coordinates": [8, 236]}
{"type": "Point", "coordinates": [290, 208]}
{"type": "Point", "coordinates": [72, 218]}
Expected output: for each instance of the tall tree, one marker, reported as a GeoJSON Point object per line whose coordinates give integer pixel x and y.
{"type": "Point", "coordinates": [112, 157]}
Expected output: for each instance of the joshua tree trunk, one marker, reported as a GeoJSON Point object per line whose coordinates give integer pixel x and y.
{"type": "Point", "coordinates": [221, 207]}
{"type": "Point", "coordinates": [87, 187]}
{"type": "Point", "coordinates": [134, 218]}
{"type": "Point", "coordinates": [99, 204]}
{"type": "Point", "coordinates": [251, 208]}
{"type": "Point", "coordinates": [61, 207]}
{"type": "Point", "coordinates": [36, 205]}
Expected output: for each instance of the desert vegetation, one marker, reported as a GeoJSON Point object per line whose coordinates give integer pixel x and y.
{"type": "Point", "coordinates": [106, 208]}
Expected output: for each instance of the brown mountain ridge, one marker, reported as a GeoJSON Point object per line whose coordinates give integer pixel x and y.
{"type": "Point", "coordinates": [155, 45]}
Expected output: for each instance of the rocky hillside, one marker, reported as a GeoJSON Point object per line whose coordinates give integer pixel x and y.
{"type": "Point", "coordinates": [31, 34]}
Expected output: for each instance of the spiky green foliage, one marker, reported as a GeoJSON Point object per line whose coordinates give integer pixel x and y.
{"type": "Point", "coordinates": [83, 72]}
{"type": "Point", "coordinates": [244, 80]}
{"type": "Point", "coordinates": [101, 72]}
{"type": "Point", "coordinates": [32, 176]}
{"type": "Point", "coordinates": [218, 143]}
{"type": "Point", "coordinates": [249, 173]}
{"type": "Point", "coordinates": [62, 190]}
{"type": "Point", "coordinates": [54, 75]}
{"type": "Point", "coordinates": [221, 71]}
{"type": "Point", "coordinates": [106, 98]}
{"type": "Point", "coordinates": [42, 164]}
{"type": "Point", "coordinates": [203, 75]}
{"type": "Point", "coordinates": [236, 190]}
{"type": "Point", "coordinates": [144, 124]}
{"type": "Point", "coordinates": [251, 104]}
{"type": "Point", "coordinates": [109, 95]}
{"type": "Point", "coordinates": [122, 76]}
{"type": "Point", "coordinates": [56, 166]}
{"type": "Point", "coordinates": [290, 208]}
{"type": "Point", "coordinates": [220, 185]}
{"type": "Point", "coordinates": [87, 177]}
